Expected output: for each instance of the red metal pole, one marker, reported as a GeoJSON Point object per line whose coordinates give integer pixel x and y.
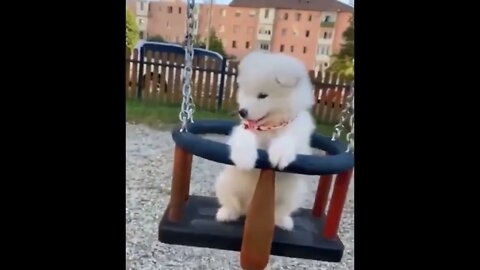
{"type": "Point", "coordinates": [321, 197]}
{"type": "Point", "coordinates": [337, 202]}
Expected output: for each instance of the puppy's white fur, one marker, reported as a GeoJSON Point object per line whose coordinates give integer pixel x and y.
{"type": "Point", "coordinates": [286, 82]}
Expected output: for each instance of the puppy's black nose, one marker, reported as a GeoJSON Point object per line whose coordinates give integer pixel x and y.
{"type": "Point", "coordinates": [243, 113]}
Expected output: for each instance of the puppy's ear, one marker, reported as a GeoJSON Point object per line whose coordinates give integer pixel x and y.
{"type": "Point", "coordinates": [287, 80]}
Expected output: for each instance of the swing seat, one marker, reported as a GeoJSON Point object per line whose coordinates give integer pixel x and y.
{"type": "Point", "coordinates": [196, 226]}
{"type": "Point", "coordinates": [335, 162]}
{"type": "Point", "coordinates": [199, 228]}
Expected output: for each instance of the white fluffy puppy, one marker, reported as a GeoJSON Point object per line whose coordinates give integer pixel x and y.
{"type": "Point", "coordinates": [274, 96]}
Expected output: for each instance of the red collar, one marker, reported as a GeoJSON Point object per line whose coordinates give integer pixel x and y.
{"type": "Point", "coordinates": [246, 125]}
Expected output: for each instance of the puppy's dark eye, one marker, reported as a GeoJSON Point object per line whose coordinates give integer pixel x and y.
{"type": "Point", "coordinates": [262, 96]}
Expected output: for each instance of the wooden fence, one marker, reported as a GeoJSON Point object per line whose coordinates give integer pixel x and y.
{"type": "Point", "coordinates": [161, 82]}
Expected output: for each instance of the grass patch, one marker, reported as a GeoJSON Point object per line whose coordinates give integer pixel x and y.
{"type": "Point", "coordinates": [154, 115]}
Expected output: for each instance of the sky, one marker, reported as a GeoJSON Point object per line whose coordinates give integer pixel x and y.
{"type": "Point", "coordinates": [228, 1]}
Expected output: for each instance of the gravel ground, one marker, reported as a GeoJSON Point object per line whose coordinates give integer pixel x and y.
{"type": "Point", "coordinates": [148, 172]}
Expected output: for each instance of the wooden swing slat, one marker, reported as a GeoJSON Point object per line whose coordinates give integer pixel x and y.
{"type": "Point", "coordinates": [182, 166]}
{"type": "Point", "coordinates": [337, 202]}
{"type": "Point", "coordinates": [321, 197]}
{"type": "Point", "coordinates": [259, 224]}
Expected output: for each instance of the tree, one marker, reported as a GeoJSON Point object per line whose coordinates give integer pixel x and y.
{"type": "Point", "coordinates": [132, 30]}
{"type": "Point", "coordinates": [216, 44]}
{"type": "Point", "coordinates": [156, 38]}
{"type": "Point", "coordinates": [343, 63]}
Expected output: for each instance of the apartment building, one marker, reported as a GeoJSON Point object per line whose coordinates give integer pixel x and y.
{"type": "Point", "coordinates": [310, 30]}
{"type": "Point", "coordinates": [141, 13]}
{"type": "Point", "coordinates": [235, 27]}
{"type": "Point", "coordinates": [131, 5]}
{"type": "Point", "coordinates": [167, 18]}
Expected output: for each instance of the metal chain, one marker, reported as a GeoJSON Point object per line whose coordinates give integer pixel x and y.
{"type": "Point", "coordinates": [188, 106]}
{"type": "Point", "coordinates": [346, 112]}
{"type": "Point", "coordinates": [351, 134]}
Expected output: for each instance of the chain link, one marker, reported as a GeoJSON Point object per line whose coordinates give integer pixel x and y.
{"type": "Point", "coordinates": [188, 106]}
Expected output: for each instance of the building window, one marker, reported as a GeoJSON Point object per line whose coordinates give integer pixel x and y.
{"type": "Point", "coordinates": [327, 18]}
{"type": "Point", "coordinates": [264, 31]}
{"type": "Point", "coordinates": [323, 50]}
{"type": "Point", "coordinates": [304, 50]}
{"type": "Point", "coordinates": [252, 13]}
{"type": "Point", "coordinates": [285, 16]}
{"type": "Point", "coordinates": [310, 17]}
{"type": "Point", "coordinates": [247, 45]}
{"type": "Point", "coordinates": [307, 33]}
{"type": "Point", "coordinates": [223, 12]}
{"type": "Point", "coordinates": [237, 13]}
{"type": "Point", "coordinates": [170, 10]}
{"type": "Point", "coordinates": [179, 10]}
{"type": "Point", "coordinates": [236, 29]}
{"type": "Point", "coordinates": [266, 13]}
{"type": "Point", "coordinates": [264, 46]}
{"type": "Point", "coordinates": [295, 33]}
{"type": "Point", "coordinates": [291, 48]}
{"type": "Point", "coordinates": [327, 35]}
{"type": "Point", "coordinates": [284, 32]}
{"type": "Point", "coordinates": [298, 16]}
{"type": "Point", "coordinates": [222, 29]}
{"type": "Point", "coordinates": [234, 44]}
{"type": "Point", "coordinates": [140, 34]}
{"type": "Point", "coordinates": [282, 48]}
{"type": "Point", "coordinates": [142, 7]}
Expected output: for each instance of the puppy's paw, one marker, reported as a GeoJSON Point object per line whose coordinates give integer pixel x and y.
{"type": "Point", "coordinates": [225, 214]}
{"type": "Point", "coordinates": [285, 223]}
{"type": "Point", "coordinates": [281, 153]}
{"type": "Point", "coordinates": [244, 157]}
{"type": "Point", "coordinates": [243, 149]}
